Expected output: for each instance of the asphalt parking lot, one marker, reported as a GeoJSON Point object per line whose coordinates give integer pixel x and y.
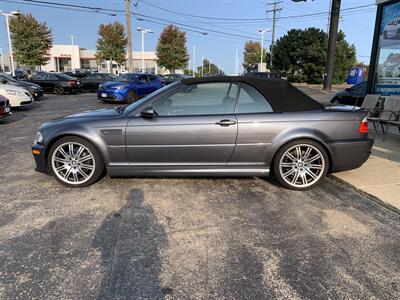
{"type": "Point", "coordinates": [183, 238]}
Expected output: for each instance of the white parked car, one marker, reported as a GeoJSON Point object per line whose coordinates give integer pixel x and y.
{"type": "Point", "coordinates": [392, 29]}
{"type": "Point", "coordinates": [18, 96]}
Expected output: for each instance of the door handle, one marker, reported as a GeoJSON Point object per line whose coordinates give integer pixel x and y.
{"type": "Point", "coordinates": [225, 123]}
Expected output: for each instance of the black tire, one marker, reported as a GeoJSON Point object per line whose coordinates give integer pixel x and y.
{"type": "Point", "coordinates": [131, 97]}
{"type": "Point", "coordinates": [58, 90]}
{"type": "Point", "coordinates": [279, 156]}
{"type": "Point", "coordinates": [99, 167]}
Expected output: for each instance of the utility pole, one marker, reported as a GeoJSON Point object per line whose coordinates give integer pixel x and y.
{"type": "Point", "coordinates": [129, 34]}
{"type": "Point", "coordinates": [274, 9]}
{"type": "Point", "coordinates": [333, 32]}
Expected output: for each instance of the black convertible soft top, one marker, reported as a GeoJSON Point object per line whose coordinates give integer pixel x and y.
{"type": "Point", "coordinates": [282, 96]}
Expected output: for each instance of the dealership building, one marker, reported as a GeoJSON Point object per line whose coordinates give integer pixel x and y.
{"type": "Point", "coordinates": [71, 57]}
{"type": "Point", "coordinates": [384, 71]}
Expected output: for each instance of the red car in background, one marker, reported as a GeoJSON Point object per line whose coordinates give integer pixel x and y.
{"type": "Point", "coordinates": [5, 107]}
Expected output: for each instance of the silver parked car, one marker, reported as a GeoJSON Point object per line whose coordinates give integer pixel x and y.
{"type": "Point", "coordinates": [216, 126]}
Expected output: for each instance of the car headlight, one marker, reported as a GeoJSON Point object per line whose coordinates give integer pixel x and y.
{"type": "Point", "coordinates": [13, 92]}
{"type": "Point", "coordinates": [39, 137]}
{"type": "Point", "coordinates": [120, 87]}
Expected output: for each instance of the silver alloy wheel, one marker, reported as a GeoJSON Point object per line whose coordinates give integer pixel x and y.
{"type": "Point", "coordinates": [73, 163]}
{"type": "Point", "coordinates": [302, 165]}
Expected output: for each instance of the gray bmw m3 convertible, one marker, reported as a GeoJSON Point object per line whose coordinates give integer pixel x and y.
{"type": "Point", "coordinates": [222, 126]}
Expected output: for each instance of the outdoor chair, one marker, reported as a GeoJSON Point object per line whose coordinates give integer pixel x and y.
{"type": "Point", "coordinates": [370, 103]}
{"type": "Point", "coordinates": [390, 114]}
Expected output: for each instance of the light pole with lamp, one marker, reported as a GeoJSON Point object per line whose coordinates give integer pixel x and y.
{"type": "Point", "coordinates": [143, 31]}
{"type": "Point", "coordinates": [262, 31]}
{"type": "Point", "coordinates": [2, 60]}
{"type": "Point", "coordinates": [8, 15]}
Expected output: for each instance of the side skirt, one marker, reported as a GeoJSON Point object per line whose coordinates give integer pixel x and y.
{"type": "Point", "coordinates": [203, 171]}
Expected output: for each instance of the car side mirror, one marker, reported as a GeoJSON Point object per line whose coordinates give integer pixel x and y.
{"type": "Point", "coordinates": [148, 113]}
{"type": "Point", "coordinates": [3, 81]}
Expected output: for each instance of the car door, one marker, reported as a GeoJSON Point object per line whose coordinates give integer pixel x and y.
{"type": "Point", "coordinates": [257, 127]}
{"type": "Point", "coordinates": [39, 79]}
{"type": "Point", "coordinates": [88, 82]}
{"type": "Point", "coordinates": [154, 84]}
{"type": "Point", "coordinates": [142, 85]}
{"type": "Point", "coordinates": [195, 126]}
{"type": "Point", "coordinates": [50, 81]}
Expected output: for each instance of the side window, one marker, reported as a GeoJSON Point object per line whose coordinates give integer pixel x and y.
{"type": "Point", "coordinates": [199, 99]}
{"type": "Point", "coordinates": [251, 101]}
{"type": "Point", "coordinates": [143, 78]}
{"type": "Point", "coordinates": [89, 77]}
{"type": "Point", "coordinates": [39, 76]}
{"type": "Point", "coordinates": [51, 77]}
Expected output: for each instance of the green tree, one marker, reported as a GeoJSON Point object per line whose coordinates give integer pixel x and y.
{"type": "Point", "coordinates": [171, 49]}
{"type": "Point", "coordinates": [31, 40]}
{"type": "Point", "coordinates": [209, 68]}
{"type": "Point", "coordinates": [345, 58]}
{"type": "Point", "coordinates": [301, 56]}
{"type": "Point", "coordinates": [111, 43]}
{"type": "Point", "coordinates": [252, 55]}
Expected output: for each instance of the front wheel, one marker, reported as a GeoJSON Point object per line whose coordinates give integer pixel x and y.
{"type": "Point", "coordinates": [75, 162]}
{"type": "Point", "coordinates": [301, 164]}
{"type": "Point", "coordinates": [131, 97]}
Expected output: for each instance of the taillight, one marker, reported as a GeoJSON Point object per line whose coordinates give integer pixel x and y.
{"type": "Point", "coordinates": [363, 128]}
{"type": "Point", "coordinates": [71, 82]}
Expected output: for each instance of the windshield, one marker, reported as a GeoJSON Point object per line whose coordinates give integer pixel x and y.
{"type": "Point", "coordinates": [130, 108]}
{"type": "Point", "coordinates": [126, 77]}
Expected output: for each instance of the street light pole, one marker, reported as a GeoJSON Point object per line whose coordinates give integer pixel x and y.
{"type": "Point", "coordinates": [202, 65]}
{"type": "Point", "coordinates": [143, 31]}
{"type": "Point", "coordinates": [194, 60]}
{"type": "Point", "coordinates": [10, 47]}
{"type": "Point", "coordinates": [262, 31]}
{"type": "Point", "coordinates": [2, 60]}
{"type": "Point", "coordinates": [129, 34]}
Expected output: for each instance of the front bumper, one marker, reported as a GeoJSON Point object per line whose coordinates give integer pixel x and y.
{"type": "Point", "coordinates": [113, 95]}
{"type": "Point", "coordinates": [37, 94]}
{"type": "Point", "coordinates": [39, 154]}
{"type": "Point", "coordinates": [348, 155]}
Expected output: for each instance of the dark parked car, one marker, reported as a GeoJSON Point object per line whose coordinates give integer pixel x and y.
{"type": "Point", "coordinates": [351, 96]}
{"type": "Point", "coordinates": [129, 87]}
{"type": "Point", "coordinates": [261, 74]}
{"type": "Point", "coordinates": [34, 89]}
{"type": "Point", "coordinates": [216, 126]}
{"type": "Point", "coordinates": [20, 75]}
{"type": "Point", "coordinates": [91, 81]}
{"type": "Point", "coordinates": [5, 107]}
{"type": "Point", "coordinates": [56, 82]}
{"type": "Point", "coordinates": [170, 78]}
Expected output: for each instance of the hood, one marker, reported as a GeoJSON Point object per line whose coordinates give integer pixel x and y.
{"type": "Point", "coordinates": [105, 113]}
{"type": "Point", "coordinates": [29, 85]}
{"type": "Point", "coordinates": [16, 87]}
{"type": "Point", "coordinates": [111, 84]}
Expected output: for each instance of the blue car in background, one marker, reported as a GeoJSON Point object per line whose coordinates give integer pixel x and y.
{"type": "Point", "coordinates": [129, 87]}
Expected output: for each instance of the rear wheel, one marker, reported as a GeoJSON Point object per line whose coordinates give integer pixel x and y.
{"type": "Point", "coordinates": [301, 164]}
{"type": "Point", "coordinates": [75, 162]}
{"type": "Point", "coordinates": [58, 90]}
{"type": "Point", "coordinates": [131, 97]}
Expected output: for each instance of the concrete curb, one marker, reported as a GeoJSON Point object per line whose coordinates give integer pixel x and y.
{"type": "Point", "coordinates": [367, 195]}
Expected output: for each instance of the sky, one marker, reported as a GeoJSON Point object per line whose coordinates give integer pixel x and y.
{"type": "Point", "coordinates": [220, 46]}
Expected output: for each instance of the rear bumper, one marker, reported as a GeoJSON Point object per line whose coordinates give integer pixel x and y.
{"type": "Point", "coordinates": [40, 159]}
{"type": "Point", "coordinates": [347, 155]}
